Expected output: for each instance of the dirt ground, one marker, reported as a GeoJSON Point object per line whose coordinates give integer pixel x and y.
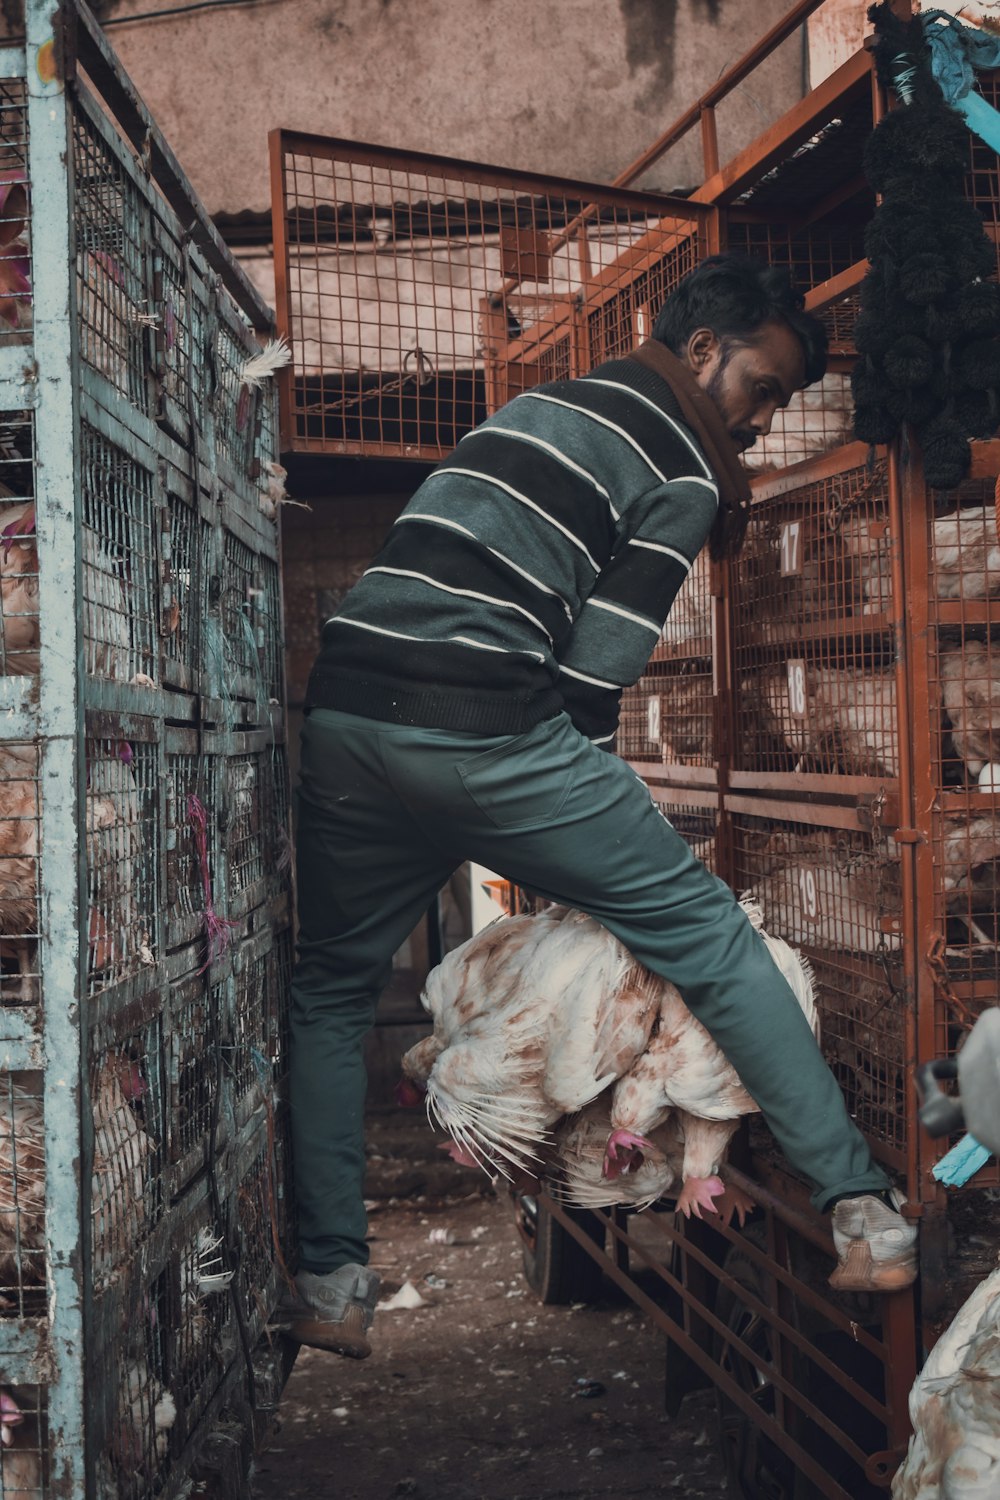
{"type": "Point", "coordinates": [481, 1393]}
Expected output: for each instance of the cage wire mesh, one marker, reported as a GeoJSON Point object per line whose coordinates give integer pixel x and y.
{"type": "Point", "coordinates": [20, 813]}
{"type": "Point", "coordinates": [697, 822]}
{"type": "Point", "coordinates": [137, 1408]}
{"type": "Point", "coordinates": [22, 1195]}
{"type": "Point", "coordinates": [814, 652]}
{"type": "Point", "coordinates": [23, 1465]}
{"type": "Point", "coordinates": [191, 874]}
{"type": "Point", "coordinates": [668, 716]}
{"type": "Point", "coordinates": [15, 216]}
{"type": "Point", "coordinates": [407, 277]}
{"type": "Point", "coordinates": [112, 294]}
{"type": "Point", "coordinates": [203, 1325]}
{"type": "Point", "coordinates": [836, 894]}
{"type": "Point", "coordinates": [182, 590]}
{"type": "Point", "coordinates": [120, 625]}
{"type": "Point", "coordinates": [19, 623]}
{"type": "Point", "coordinates": [196, 1019]}
{"type": "Point", "coordinates": [128, 1105]}
{"type": "Point", "coordinates": [122, 842]}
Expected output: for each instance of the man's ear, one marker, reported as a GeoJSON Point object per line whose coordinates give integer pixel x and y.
{"type": "Point", "coordinates": [702, 348]}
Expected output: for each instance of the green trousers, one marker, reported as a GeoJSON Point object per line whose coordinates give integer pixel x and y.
{"type": "Point", "coordinates": [387, 812]}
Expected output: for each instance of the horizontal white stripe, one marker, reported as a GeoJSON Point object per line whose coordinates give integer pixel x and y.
{"type": "Point", "coordinates": [482, 646]}
{"type": "Point", "coordinates": [626, 614]}
{"type": "Point", "coordinates": [615, 687]}
{"type": "Point", "coordinates": [604, 422]}
{"type": "Point", "coordinates": [430, 640]}
{"type": "Point", "coordinates": [602, 739]}
{"type": "Point", "coordinates": [445, 588]}
{"type": "Point", "coordinates": [557, 453]}
{"type": "Point", "coordinates": [375, 629]}
{"type": "Point", "coordinates": [537, 583]}
{"type": "Point", "coordinates": [523, 499]}
{"type": "Point", "coordinates": [675, 426]}
{"type": "Point", "coordinates": [685, 562]}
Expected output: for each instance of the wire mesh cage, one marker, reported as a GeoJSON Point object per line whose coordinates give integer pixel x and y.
{"type": "Point", "coordinates": [23, 1468]}
{"type": "Point", "coordinates": [669, 716]}
{"type": "Point", "coordinates": [19, 624]}
{"type": "Point", "coordinates": [834, 891]}
{"type": "Point", "coordinates": [119, 481]}
{"type": "Point", "coordinates": [403, 277]}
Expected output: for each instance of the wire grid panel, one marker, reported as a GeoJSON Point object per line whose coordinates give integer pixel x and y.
{"type": "Point", "coordinates": [836, 894]}
{"type": "Point", "coordinates": [236, 404]}
{"type": "Point", "coordinates": [23, 1465]}
{"type": "Point", "coordinates": [251, 620]}
{"type": "Point", "coordinates": [815, 421]}
{"type": "Point", "coordinates": [259, 1049]}
{"type": "Point", "coordinates": [408, 278]}
{"type": "Point", "coordinates": [814, 654]}
{"type": "Point", "coordinates": [20, 821]}
{"type": "Point", "coordinates": [120, 562]}
{"type": "Point", "coordinates": [669, 716]}
{"type": "Point", "coordinates": [186, 546]}
{"type": "Point", "coordinates": [19, 622]}
{"type": "Point", "coordinates": [982, 185]}
{"type": "Point", "coordinates": [204, 1336]}
{"type": "Point", "coordinates": [192, 874]}
{"type": "Point", "coordinates": [132, 1407]}
{"type": "Point", "coordinates": [254, 824]}
{"type": "Point", "coordinates": [22, 1196]}
{"type": "Point", "coordinates": [128, 1100]}
{"type": "Point", "coordinates": [15, 215]}
{"type": "Point", "coordinates": [261, 1217]}
{"type": "Point", "coordinates": [812, 253]}
{"type": "Point", "coordinates": [196, 1023]}
{"type": "Point", "coordinates": [114, 305]}
{"type": "Point", "coordinates": [179, 363]}
{"type": "Point", "coordinates": [123, 839]}
{"type": "Point", "coordinates": [687, 631]}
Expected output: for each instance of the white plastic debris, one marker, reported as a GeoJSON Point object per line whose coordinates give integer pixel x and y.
{"type": "Point", "coordinates": [442, 1236]}
{"type": "Point", "coordinates": [478, 1232]}
{"type": "Point", "coordinates": [406, 1297]}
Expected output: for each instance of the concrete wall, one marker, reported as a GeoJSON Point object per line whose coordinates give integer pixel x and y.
{"type": "Point", "coordinates": [577, 88]}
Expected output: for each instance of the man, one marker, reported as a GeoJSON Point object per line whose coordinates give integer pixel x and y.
{"type": "Point", "coordinates": [461, 707]}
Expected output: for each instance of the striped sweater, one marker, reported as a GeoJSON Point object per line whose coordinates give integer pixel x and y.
{"type": "Point", "coordinates": [533, 569]}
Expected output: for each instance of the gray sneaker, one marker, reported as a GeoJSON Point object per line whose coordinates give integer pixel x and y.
{"type": "Point", "coordinates": [876, 1246]}
{"type": "Point", "coordinates": [331, 1312]}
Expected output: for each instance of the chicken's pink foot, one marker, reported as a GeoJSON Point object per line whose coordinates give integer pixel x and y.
{"type": "Point", "coordinates": [624, 1153]}
{"type": "Point", "coordinates": [698, 1194]}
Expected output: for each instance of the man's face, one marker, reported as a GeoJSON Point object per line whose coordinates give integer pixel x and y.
{"type": "Point", "coordinates": [748, 382]}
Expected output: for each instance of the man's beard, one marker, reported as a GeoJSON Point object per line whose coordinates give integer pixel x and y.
{"type": "Point", "coordinates": [743, 437]}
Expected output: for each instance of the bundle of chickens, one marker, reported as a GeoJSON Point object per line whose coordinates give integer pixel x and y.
{"type": "Point", "coordinates": [632, 1102]}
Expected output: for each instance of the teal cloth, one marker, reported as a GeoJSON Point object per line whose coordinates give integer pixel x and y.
{"type": "Point", "coordinates": [957, 51]}
{"type": "Point", "coordinates": [961, 1162]}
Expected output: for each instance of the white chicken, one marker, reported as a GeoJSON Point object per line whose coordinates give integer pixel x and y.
{"type": "Point", "coordinates": [576, 1172]}
{"type": "Point", "coordinates": [970, 689]}
{"type": "Point", "coordinates": [965, 557]}
{"type": "Point", "coordinates": [502, 1065]}
{"type": "Point", "coordinates": [954, 1453]}
{"type": "Point", "coordinates": [827, 897]}
{"type": "Point", "coordinates": [18, 589]}
{"type": "Point", "coordinates": [847, 719]}
{"type": "Point", "coordinates": [20, 1452]}
{"type": "Point", "coordinates": [682, 1071]}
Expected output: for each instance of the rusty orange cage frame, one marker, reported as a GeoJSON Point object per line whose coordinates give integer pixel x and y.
{"type": "Point", "coordinates": [800, 722]}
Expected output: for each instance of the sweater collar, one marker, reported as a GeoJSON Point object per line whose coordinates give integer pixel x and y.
{"type": "Point", "coordinates": [702, 415]}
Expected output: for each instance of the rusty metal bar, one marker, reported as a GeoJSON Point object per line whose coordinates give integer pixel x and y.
{"type": "Point", "coordinates": [750, 60]}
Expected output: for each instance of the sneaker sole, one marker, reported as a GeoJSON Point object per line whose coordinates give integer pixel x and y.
{"type": "Point", "coordinates": [858, 1272]}
{"type": "Point", "coordinates": [348, 1337]}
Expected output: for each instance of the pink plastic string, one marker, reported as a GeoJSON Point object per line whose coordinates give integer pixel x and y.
{"type": "Point", "coordinates": [218, 930]}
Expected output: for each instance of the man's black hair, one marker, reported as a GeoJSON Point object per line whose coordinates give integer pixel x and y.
{"type": "Point", "coordinates": [734, 296]}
